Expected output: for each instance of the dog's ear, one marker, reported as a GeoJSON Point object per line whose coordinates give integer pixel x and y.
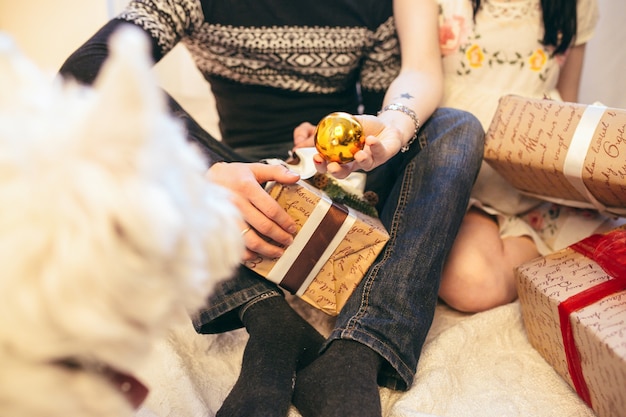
{"type": "Point", "coordinates": [20, 79]}
{"type": "Point", "coordinates": [129, 102]}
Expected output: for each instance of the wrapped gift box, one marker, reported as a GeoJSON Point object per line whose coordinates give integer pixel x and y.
{"type": "Point", "coordinates": [574, 310]}
{"type": "Point", "coordinates": [332, 250]}
{"type": "Point", "coordinates": [567, 153]}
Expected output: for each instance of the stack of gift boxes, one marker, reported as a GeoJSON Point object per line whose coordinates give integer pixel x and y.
{"type": "Point", "coordinates": [574, 300]}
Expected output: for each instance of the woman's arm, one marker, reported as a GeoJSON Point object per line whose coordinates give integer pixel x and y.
{"type": "Point", "coordinates": [419, 86]}
{"type": "Point", "coordinates": [568, 84]}
{"type": "Point", "coordinates": [410, 99]}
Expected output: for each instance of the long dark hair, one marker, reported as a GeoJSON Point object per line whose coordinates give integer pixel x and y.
{"type": "Point", "coordinates": [559, 22]}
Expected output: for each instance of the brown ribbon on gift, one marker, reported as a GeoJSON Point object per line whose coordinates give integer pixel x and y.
{"type": "Point", "coordinates": [314, 248]}
{"type": "Point", "coordinates": [609, 252]}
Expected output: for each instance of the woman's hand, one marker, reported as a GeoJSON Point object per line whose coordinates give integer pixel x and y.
{"type": "Point", "coordinates": [382, 142]}
{"type": "Point", "coordinates": [262, 214]}
{"type": "Point", "coordinates": [303, 136]}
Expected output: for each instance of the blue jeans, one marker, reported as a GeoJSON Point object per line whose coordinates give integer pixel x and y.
{"type": "Point", "coordinates": [423, 194]}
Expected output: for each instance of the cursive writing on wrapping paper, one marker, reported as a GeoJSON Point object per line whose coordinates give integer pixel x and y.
{"type": "Point", "coordinates": [346, 262]}
{"type": "Point", "coordinates": [599, 329]}
{"type": "Point", "coordinates": [303, 204]}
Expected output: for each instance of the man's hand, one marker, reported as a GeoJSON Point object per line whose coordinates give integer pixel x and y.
{"type": "Point", "coordinates": [262, 214]}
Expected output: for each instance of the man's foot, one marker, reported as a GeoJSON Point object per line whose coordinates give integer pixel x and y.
{"type": "Point", "coordinates": [342, 382]}
{"type": "Point", "coordinates": [281, 342]}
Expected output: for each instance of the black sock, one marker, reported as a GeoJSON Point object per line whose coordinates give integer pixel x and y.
{"type": "Point", "coordinates": [281, 342]}
{"type": "Point", "coordinates": [342, 382]}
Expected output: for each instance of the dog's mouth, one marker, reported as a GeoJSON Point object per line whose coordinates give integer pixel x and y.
{"type": "Point", "coordinates": [130, 387]}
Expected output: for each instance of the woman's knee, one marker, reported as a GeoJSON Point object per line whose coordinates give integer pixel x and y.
{"type": "Point", "coordinates": [475, 289]}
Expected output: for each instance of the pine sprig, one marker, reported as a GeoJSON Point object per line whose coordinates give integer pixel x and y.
{"type": "Point", "coordinates": [365, 205]}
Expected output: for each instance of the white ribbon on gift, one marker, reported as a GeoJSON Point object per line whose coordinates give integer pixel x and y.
{"type": "Point", "coordinates": [285, 262]}
{"type": "Point", "coordinates": [578, 148]}
{"type": "Point", "coordinates": [574, 163]}
{"type": "Point", "coordinates": [353, 183]}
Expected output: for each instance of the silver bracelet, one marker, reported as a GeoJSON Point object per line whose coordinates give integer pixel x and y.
{"type": "Point", "coordinates": [404, 109]}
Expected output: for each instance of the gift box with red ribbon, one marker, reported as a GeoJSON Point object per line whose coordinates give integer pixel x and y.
{"type": "Point", "coordinates": [568, 153]}
{"type": "Point", "coordinates": [574, 309]}
{"type": "Point", "coordinates": [332, 250]}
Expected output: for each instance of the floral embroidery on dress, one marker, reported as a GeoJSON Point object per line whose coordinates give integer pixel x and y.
{"type": "Point", "coordinates": [547, 219]}
{"type": "Point", "coordinates": [452, 32]}
{"type": "Point", "coordinates": [543, 219]}
{"type": "Point", "coordinates": [475, 56]}
{"type": "Point", "coordinates": [538, 60]}
{"type": "Point", "coordinates": [459, 37]}
{"type": "Point", "coordinates": [512, 10]}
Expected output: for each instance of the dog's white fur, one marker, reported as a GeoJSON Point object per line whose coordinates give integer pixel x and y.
{"type": "Point", "coordinates": [109, 232]}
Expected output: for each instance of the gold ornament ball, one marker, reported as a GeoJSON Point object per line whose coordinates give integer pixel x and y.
{"type": "Point", "coordinates": [338, 137]}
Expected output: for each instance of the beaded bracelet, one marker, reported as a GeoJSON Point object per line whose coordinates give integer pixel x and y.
{"type": "Point", "coordinates": [404, 109]}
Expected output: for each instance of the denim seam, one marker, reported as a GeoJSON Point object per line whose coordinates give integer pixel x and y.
{"type": "Point", "coordinates": [350, 327]}
{"type": "Point", "coordinates": [252, 302]}
{"type": "Point", "coordinates": [407, 182]}
{"type": "Point", "coordinates": [423, 141]}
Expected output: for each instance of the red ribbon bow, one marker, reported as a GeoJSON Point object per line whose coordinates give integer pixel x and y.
{"type": "Point", "coordinates": [609, 252]}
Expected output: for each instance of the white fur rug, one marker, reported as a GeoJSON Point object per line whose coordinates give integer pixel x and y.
{"type": "Point", "coordinates": [472, 365]}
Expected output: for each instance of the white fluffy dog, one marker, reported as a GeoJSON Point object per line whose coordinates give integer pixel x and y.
{"type": "Point", "coordinates": [109, 233]}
